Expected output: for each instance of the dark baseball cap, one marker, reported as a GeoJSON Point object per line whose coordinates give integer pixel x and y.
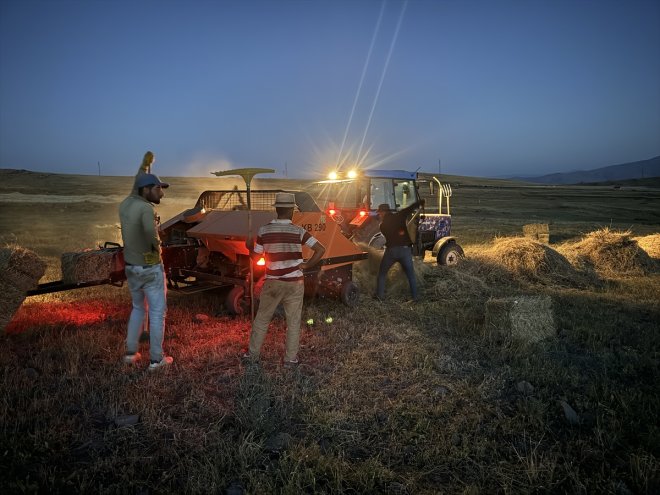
{"type": "Point", "coordinates": [150, 180]}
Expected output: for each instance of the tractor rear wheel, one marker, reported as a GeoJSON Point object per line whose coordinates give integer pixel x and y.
{"type": "Point", "coordinates": [450, 254]}
{"type": "Point", "coordinates": [349, 294]}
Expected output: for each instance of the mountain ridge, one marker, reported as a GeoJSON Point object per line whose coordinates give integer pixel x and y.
{"type": "Point", "coordinates": [642, 169]}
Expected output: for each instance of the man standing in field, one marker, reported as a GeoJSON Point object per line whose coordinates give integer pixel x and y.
{"type": "Point", "coordinates": [398, 247]}
{"type": "Point", "coordinates": [281, 242]}
{"type": "Point", "coordinates": [144, 270]}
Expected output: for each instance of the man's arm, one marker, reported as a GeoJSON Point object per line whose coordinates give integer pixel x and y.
{"type": "Point", "coordinates": [319, 251]}
{"type": "Point", "coordinates": [144, 169]}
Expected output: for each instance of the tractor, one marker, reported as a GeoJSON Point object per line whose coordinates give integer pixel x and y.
{"type": "Point", "coordinates": [352, 198]}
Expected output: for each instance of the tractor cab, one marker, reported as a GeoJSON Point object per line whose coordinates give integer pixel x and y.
{"type": "Point", "coordinates": [352, 198]}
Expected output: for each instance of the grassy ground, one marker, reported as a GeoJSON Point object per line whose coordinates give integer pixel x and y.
{"type": "Point", "coordinates": [390, 398]}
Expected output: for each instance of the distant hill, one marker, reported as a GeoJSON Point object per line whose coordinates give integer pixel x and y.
{"type": "Point", "coordinates": [643, 169]}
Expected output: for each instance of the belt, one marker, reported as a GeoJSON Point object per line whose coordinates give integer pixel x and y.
{"type": "Point", "coordinates": [142, 266]}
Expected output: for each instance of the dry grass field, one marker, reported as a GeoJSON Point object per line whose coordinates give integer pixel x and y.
{"type": "Point", "coordinates": [527, 368]}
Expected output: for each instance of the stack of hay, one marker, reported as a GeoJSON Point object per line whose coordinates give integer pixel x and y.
{"type": "Point", "coordinates": [523, 319]}
{"type": "Point", "coordinates": [21, 270]}
{"type": "Point", "coordinates": [608, 252]}
{"type": "Point", "coordinates": [530, 260]}
{"type": "Point", "coordinates": [650, 244]}
{"type": "Point", "coordinates": [537, 231]}
{"type": "Point", "coordinates": [90, 266]}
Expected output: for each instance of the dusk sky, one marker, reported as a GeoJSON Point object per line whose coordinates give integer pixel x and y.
{"type": "Point", "coordinates": [490, 88]}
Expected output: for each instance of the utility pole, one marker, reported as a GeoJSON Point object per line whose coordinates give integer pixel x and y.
{"type": "Point", "coordinates": [99, 165]}
{"type": "Point", "coordinates": [286, 174]}
{"type": "Point", "coordinates": [439, 167]}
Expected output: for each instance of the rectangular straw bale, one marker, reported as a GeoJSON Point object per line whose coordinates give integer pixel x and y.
{"type": "Point", "coordinates": [10, 300]}
{"type": "Point", "coordinates": [523, 318]}
{"type": "Point", "coordinates": [87, 266]}
{"type": "Point", "coordinates": [537, 231]}
{"type": "Point", "coordinates": [21, 267]}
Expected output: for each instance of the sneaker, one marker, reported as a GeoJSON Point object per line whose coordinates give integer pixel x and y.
{"type": "Point", "coordinates": [291, 364]}
{"type": "Point", "coordinates": [166, 361]}
{"type": "Point", "coordinates": [132, 358]}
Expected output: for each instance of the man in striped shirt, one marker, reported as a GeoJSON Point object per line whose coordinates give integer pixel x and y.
{"type": "Point", "coordinates": [281, 242]}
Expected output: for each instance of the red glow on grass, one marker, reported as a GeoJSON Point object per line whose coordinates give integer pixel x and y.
{"type": "Point", "coordinates": [80, 314]}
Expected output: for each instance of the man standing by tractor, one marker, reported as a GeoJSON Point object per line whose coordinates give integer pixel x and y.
{"type": "Point", "coordinates": [144, 269]}
{"type": "Point", "coordinates": [281, 242]}
{"type": "Point", "coordinates": [398, 247]}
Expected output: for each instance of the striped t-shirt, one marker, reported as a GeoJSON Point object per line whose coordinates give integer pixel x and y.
{"type": "Point", "coordinates": [281, 241]}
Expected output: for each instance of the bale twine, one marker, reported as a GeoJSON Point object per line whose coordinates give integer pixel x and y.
{"type": "Point", "coordinates": [524, 319]}
{"type": "Point", "coordinates": [608, 252]}
{"type": "Point", "coordinates": [530, 260]}
{"type": "Point", "coordinates": [650, 244]}
{"type": "Point", "coordinates": [537, 231]}
{"type": "Point", "coordinates": [88, 266]}
{"type": "Point", "coordinates": [20, 271]}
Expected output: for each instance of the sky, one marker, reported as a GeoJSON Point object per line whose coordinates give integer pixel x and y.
{"type": "Point", "coordinates": [489, 88]}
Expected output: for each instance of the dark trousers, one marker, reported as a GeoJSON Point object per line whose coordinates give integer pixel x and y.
{"type": "Point", "coordinates": [402, 255]}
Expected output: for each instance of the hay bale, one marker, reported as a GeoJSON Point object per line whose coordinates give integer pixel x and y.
{"type": "Point", "coordinates": [608, 252]}
{"type": "Point", "coordinates": [11, 300]}
{"type": "Point", "coordinates": [456, 285]}
{"type": "Point", "coordinates": [537, 231]}
{"type": "Point", "coordinates": [650, 244]}
{"type": "Point", "coordinates": [89, 266]}
{"type": "Point", "coordinates": [524, 319]}
{"type": "Point", "coordinates": [530, 260]}
{"type": "Point", "coordinates": [20, 271]}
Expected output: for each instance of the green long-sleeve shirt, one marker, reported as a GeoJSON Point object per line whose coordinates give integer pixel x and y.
{"type": "Point", "coordinates": [139, 228]}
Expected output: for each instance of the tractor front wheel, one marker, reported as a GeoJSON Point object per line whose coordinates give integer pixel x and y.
{"type": "Point", "coordinates": [450, 254]}
{"type": "Point", "coordinates": [349, 294]}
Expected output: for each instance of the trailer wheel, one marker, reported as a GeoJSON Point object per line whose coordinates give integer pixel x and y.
{"type": "Point", "coordinates": [236, 302]}
{"type": "Point", "coordinates": [349, 294]}
{"type": "Point", "coordinates": [450, 254]}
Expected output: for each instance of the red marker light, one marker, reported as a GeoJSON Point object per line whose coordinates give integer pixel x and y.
{"type": "Point", "coordinates": [261, 262]}
{"type": "Point", "coordinates": [332, 212]}
{"type": "Point", "coordinates": [363, 213]}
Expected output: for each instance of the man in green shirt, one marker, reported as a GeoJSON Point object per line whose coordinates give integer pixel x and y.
{"type": "Point", "coordinates": [144, 270]}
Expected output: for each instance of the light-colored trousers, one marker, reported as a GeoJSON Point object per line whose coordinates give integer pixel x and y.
{"type": "Point", "coordinates": [147, 287]}
{"type": "Point", "coordinates": [290, 295]}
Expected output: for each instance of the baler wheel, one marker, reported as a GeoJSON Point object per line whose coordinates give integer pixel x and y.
{"type": "Point", "coordinates": [236, 303]}
{"type": "Point", "coordinates": [349, 294]}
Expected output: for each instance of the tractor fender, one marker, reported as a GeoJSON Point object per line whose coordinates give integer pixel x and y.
{"type": "Point", "coordinates": [440, 243]}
